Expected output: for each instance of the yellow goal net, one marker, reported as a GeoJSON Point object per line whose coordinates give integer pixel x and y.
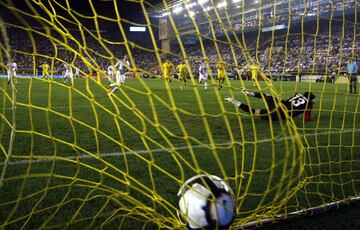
{"type": "Point", "coordinates": [108, 107]}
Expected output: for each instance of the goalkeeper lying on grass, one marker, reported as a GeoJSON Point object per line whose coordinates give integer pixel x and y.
{"type": "Point", "coordinates": [296, 105]}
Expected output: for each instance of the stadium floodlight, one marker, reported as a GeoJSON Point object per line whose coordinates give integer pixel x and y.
{"type": "Point", "coordinates": [177, 10]}
{"type": "Point", "coordinates": [221, 4]}
{"type": "Point", "coordinates": [201, 2]}
{"type": "Point", "coordinates": [207, 8]}
{"type": "Point", "coordinates": [191, 13]}
{"type": "Point", "coordinates": [236, 1]}
{"type": "Point", "coordinates": [190, 5]}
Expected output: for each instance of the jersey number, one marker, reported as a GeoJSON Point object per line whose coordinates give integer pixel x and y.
{"type": "Point", "coordinates": [298, 100]}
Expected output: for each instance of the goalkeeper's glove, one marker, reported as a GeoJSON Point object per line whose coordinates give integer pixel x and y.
{"type": "Point", "coordinates": [233, 101]}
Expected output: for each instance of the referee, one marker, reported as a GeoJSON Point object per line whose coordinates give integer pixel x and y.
{"type": "Point", "coordinates": [352, 70]}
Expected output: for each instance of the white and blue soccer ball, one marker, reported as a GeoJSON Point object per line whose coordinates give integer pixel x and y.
{"type": "Point", "coordinates": [206, 202]}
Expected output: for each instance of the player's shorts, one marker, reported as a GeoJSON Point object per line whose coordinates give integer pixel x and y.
{"type": "Point", "coordinates": [68, 74]}
{"type": "Point", "coordinates": [120, 78]}
{"type": "Point", "coordinates": [353, 79]}
{"type": "Point", "coordinates": [11, 73]}
{"type": "Point", "coordinates": [182, 77]}
{"type": "Point", "coordinates": [167, 77]}
{"type": "Point", "coordinates": [45, 73]}
{"type": "Point", "coordinates": [221, 75]}
{"type": "Point", "coordinates": [202, 77]}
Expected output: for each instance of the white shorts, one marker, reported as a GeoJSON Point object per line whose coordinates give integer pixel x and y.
{"type": "Point", "coordinates": [120, 78]}
{"type": "Point", "coordinates": [202, 77]}
{"type": "Point", "coordinates": [111, 74]}
{"type": "Point", "coordinates": [11, 74]}
{"type": "Point", "coordinates": [68, 74]}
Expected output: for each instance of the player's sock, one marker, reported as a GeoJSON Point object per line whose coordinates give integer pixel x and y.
{"type": "Point", "coordinates": [206, 85]}
{"type": "Point", "coordinates": [354, 88]}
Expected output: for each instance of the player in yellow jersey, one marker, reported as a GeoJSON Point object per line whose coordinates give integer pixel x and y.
{"type": "Point", "coordinates": [45, 70]}
{"type": "Point", "coordinates": [167, 70]}
{"type": "Point", "coordinates": [181, 68]}
{"type": "Point", "coordinates": [221, 72]}
{"type": "Point", "coordinates": [255, 72]}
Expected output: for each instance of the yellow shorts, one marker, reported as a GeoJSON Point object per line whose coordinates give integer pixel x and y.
{"type": "Point", "coordinates": [166, 77]}
{"type": "Point", "coordinates": [221, 75]}
{"type": "Point", "coordinates": [182, 77]}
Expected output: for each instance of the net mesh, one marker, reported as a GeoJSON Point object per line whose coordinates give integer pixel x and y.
{"type": "Point", "coordinates": [71, 156]}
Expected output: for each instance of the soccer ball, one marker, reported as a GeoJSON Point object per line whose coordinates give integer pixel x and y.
{"type": "Point", "coordinates": [206, 201]}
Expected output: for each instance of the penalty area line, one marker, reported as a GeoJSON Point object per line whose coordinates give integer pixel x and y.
{"type": "Point", "coordinates": [159, 150]}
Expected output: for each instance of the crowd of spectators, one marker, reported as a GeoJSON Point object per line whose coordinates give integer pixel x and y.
{"type": "Point", "coordinates": [319, 51]}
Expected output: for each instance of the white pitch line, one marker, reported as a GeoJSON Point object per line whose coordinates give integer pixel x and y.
{"type": "Point", "coordinates": [23, 107]}
{"type": "Point", "coordinates": [86, 156]}
{"type": "Point", "coordinates": [159, 150]}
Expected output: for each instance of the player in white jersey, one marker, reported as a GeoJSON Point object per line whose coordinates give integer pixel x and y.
{"type": "Point", "coordinates": [77, 72]}
{"type": "Point", "coordinates": [203, 73]}
{"type": "Point", "coordinates": [122, 68]}
{"type": "Point", "coordinates": [111, 73]}
{"type": "Point", "coordinates": [68, 74]}
{"type": "Point", "coordinates": [11, 71]}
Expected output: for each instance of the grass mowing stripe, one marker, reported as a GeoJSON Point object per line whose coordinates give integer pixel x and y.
{"type": "Point", "coordinates": [43, 160]}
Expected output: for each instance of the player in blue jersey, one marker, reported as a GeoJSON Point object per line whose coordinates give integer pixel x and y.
{"type": "Point", "coordinates": [352, 70]}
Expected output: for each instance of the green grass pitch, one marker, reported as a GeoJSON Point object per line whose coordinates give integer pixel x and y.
{"type": "Point", "coordinates": [77, 152]}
